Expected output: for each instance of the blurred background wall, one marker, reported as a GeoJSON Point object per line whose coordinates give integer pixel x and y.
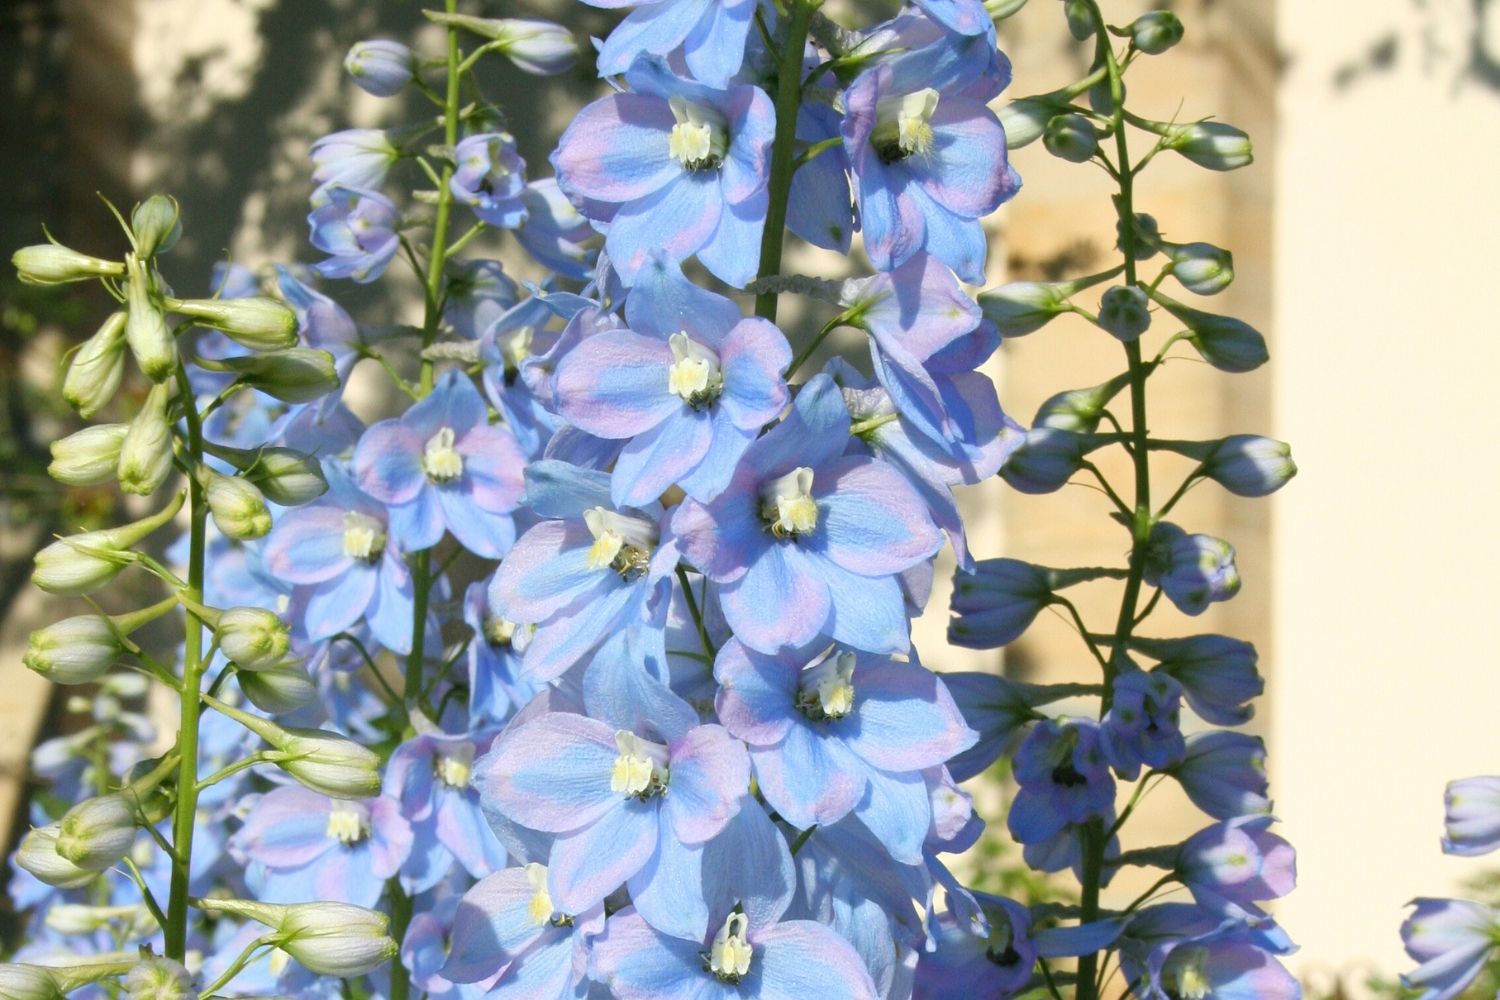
{"type": "Point", "coordinates": [1364, 238]}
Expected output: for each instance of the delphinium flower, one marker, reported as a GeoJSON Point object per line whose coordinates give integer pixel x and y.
{"type": "Point", "coordinates": [1063, 778]}
{"type": "Point", "coordinates": [554, 233]}
{"type": "Point", "coordinates": [672, 165]}
{"type": "Point", "coordinates": [1194, 571]}
{"type": "Point", "coordinates": [431, 776]}
{"type": "Point", "coordinates": [442, 464]}
{"type": "Point", "coordinates": [491, 178]}
{"type": "Point", "coordinates": [1452, 940]}
{"type": "Point", "coordinates": [356, 227]}
{"type": "Point", "coordinates": [1231, 866]}
{"type": "Point", "coordinates": [1472, 823]}
{"type": "Point", "coordinates": [806, 540]}
{"type": "Point", "coordinates": [1142, 724]}
{"type": "Point", "coordinates": [496, 688]}
{"type": "Point", "coordinates": [1224, 774]}
{"type": "Point", "coordinates": [711, 36]}
{"type": "Point", "coordinates": [1174, 950]}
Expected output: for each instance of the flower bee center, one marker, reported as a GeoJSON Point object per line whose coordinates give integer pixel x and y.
{"type": "Point", "coordinates": [539, 909]}
{"type": "Point", "coordinates": [700, 138]}
{"type": "Point", "coordinates": [1184, 977]}
{"type": "Point", "coordinates": [364, 537]}
{"type": "Point", "coordinates": [499, 632]}
{"type": "Point", "coordinates": [621, 543]}
{"type": "Point", "coordinates": [787, 505]}
{"type": "Point", "coordinates": [826, 690]}
{"type": "Point", "coordinates": [695, 376]}
{"type": "Point", "coordinates": [1001, 948]}
{"type": "Point", "coordinates": [347, 824]}
{"type": "Point", "coordinates": [729, 956]}
{"type": "Point", "coordinates": [515, 349]}
{"type": "Point", "coordinates": [439, 459]}
{"type": "Point", "coordinates": [454, 767]}
{"type": "Point", "coordinates": [903, 125]}
{"type": "Point", "coordinates": [640, 768]}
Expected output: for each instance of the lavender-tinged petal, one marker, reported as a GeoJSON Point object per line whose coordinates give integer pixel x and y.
{"type": "Point", "coordinates": [334, 606]}
{"type": "Point", "coordinates": [731, 251]}
{"type": "Point", "coordinates": [636, 963]}
{"type": "Point", "coordinates": [668, 892]}
{"type": "Point", "coordinates": [390, 613]}
{"type": "Point", "coordinates": [547, 570]}
{"type": "Point", "coordinates": [616, 150]}
{"type": "Point", "coordinates": [905, 719]}
{"type": "Point", "coordinates": [655, 459]}
{"type": "Point", "coordinates": [487, 535]}
{"type": "Point", "coordinates": [715, 48]}
{"type": "Point", "coordinates": [757, 694]}
{"type": "Point", "coordinates": [418, 523]}
{"type": "Point", "coordinates": [551, 773]}
{"type": "Point", "coordinates": [493, 464]}
{"type": "Point", "coordinates": [754, 357]}
{"type": "Point", "coordinates": [749, 865]}
{"type": "Point", "coordinates": [307, 545]}
{"type": "Point", "coordinates": [590, 863]}
{"type": "Point", "coordinates": [777, 602]}
{"type": "Point", "coordinates": [801, 959]}
{"type": "Point", "coordinates": [677, 220]}
{"type": "Point", "coordinates": [491, 926]}
{"type": "Point", "coordinates": [715, 470]}
{"type": "Point", "coordinates": [867, 613]}
{"type": "Point", "coordinates": [710, 772]}
{"type": "Point", "coordinates": [752, 127]}
{"type": "Point", "coordinates": [663, 302]}
{"type": "Point", "coordinates": [614, 384]}
{"type": "Point", "coordinates": [874, 523]}
{"type": "Point", "coordinates": [898, 811]}
{"type": "Point", "coordinates": [809, 780]}
{"type": "Point", "coordinates": [388, 462]}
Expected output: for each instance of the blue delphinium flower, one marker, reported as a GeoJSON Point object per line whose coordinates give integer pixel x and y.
{"type": "Point", "coordinates": [1218, 674]}
{"type": "Point", "coordinates": [354, 158]}
{"type": "Point", "coordinates": [496, 688]}
{"type": "Point", "coordinates": [357, 228]}
{"type": "Point", "coordinates": [1176, 950]}
{"type": "Point", "coordinates": [442, 464]}
{"type": "Point", "coordinates": [1142, 724]}
{"type": "Point", "coordinates": [1194, 571]}
{"type": "Point", "coordinates": [299, 846]}
{"type": "Point", "coordinates": [1063, 777]}
{"type": "Point", "coordinates": [807, 541]}
{"type": "Point", "coordinates": [676, 166]}
{"type": "Point", "coordinates": [1471, 826]}
{"type": "Point", "coordinates": [431, 776]}
{"type": "Point", "coordinates": [341, 547]}
{"type": "Point", "coordinates": [1452, 940]}
{"type": "Point", "coordinates": [832, 732]}
{"type": "Point", "coordinates": [490, 178]}
{"type": "Point", "coordinates": [689, 384]}
{"type": "Point", "coordinates": [710, 35]}
{"type": "Point", "coordinates": [1224, 774]}
{"type": "Point", "coordinates": [996, 602]}
{"type": "Point", "coordinates": [554, 233]}
{"type": "Point", "coordinates": [1231, 866]}
{"type": "Point", "coordinates": [927, 167]}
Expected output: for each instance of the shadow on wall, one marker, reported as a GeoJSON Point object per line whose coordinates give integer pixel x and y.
{"type": "Point", "coordinates": [1459, 38]}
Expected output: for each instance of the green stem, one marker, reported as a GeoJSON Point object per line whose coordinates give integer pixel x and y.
{"type": "Point", "coordinates": [783, 151]}
{"type": "Point", "coordinates": [175, 931]}
{"type": "Point", "coordinates": [439, 258]}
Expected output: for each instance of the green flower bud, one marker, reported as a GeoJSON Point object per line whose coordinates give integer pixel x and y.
{"type": "Point", "coordinates": [82, 563]}
{"type": "Point", "coordinates": [96, 833]}
{"type": "Point", "coordinates": [146, 452]}
{"type": "Point", "coordinates": [1145, 236]}
{"type": "Point", "coordinates": [97, 367]}
{"type": "Point", "coordinates": [1156, 32]}
{"type": "Point", "coordinates": [155, 225]}
{"type": "Point", "coordinates": [1023, 307]}
{"type": "Point", "coordinates": [159, 979]}
{"type": "Point", "coordinates": [1071, 137]}
{"type": "Point", "coordinates": [279, 690]}
{"type": "Point", "coordinates": [295, 375]}
{"type": "Point", "coordinates": [1125, 312]}
{"type": "Point", "coordinates": [28, 982]}
{"type": "Point", "coordinates": [1229, 344]}
{"type": "Point", "coordinates": [1024, 121]}
{"type": "Point", "coordinates": [54, 264]}
{"type": "Point", "coordinates": [1202, 268]}
{"type": "Point", "coordinates": [1213, 145]}
{"type": "Point", "coordinates": [325, 762]}
{"type": "Point", "coordinates": [254, 638]}
{"type": "Point", "coordinates": [329, 939]}
{"type": "Point", "coordinates": [37, 854]}
{"type": "Point", "coordinates": [239, 509]}
{"type": "Point", "coordinates": [87, 457]}
{"type": "Point", "coordinates": [146, 327]}
{"type": "Point", "coordinates": [80, 649]}
{"type": "Point", "coordinates": [1080, 20]}
{"type": "Point", "coordinates": [258, 322]}
{"type": "Point", "coordinates": [286, 476]}
{"type": "Point", "coordinates": [999, 10]}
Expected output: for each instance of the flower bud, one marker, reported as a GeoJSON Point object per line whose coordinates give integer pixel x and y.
{"type": "Point", "coordinates": [86, 918]}
{"type": "Point", "coordinates": [325, 762]}
{"type": "Point", "coordinates": [54, 264]}
{"type": "Point", "coordinates": [295, 375]}
{"type": "Point", "coordinates": [87, 457]}
{"type": "Point", "coordinates": [1202, 268]}
{"type": "Point", "coordinates": [156, 225]}
{"type": "Point", "coordinates": [380, 67]}
{"type": "Point", "coordinates": [254, 638]}
{"type": "Point", "coordinates": [1156, 32]}
{"type": "Point", "coordinates": [1246, 465]}
{"type": "Point", "coordinates": [1071, 137]}
{"type": "Point", "coordinates": [28, 982]}
{"type": "Point", "coordinates": [999, 10]}
{"type": "Point", "coordinates": [280, 689]}
{"type": "Point", "coordinates": [146, 451]}
{"type": "Point", "coordinates": [329, 939]}
{"type": "Point", "coordinates": [1229, 344]}
{"type": "Point", "coordinates": [257, 321]}
{"type": "Point", "coordinates": [82, 563]}
{"type": "Point", "coordinates": [1213, 145]}
{"type": "Point", "coordinates": [73, 651]}
{"type": "Point", "coordinates": [37, 854]}
{"type": "Point", "coordinates": [146, 328]}
{"type": "Point", "coordinates": [1080, 20]}
{"type": "Point", "coordinates": [1023, 307]}
{"type": "Point", "coordinates": [239, 509]}
{"type": "Point", "coordinates": [538, 47]}
{"type": "Point", "coordinates": [1046, 460]}
{"type": "Point", "coordinates": [96, 833]}
{"type": "Point", "coordinates": [284, 475]}
{"type": "Point", "coordinates": [1194, 571]}
{"type": "Point", "coordinates": [1025, 120]}
{"type": "Point", "coordinates": [1144, 238]}
{"type": "Point", "coordinates": [1000, 599]}
{"type": "Point", "coordinates": [159, 979]}
{"type": "Point", "coordinates": [1218, 674]}
{"type": "Point", "coordinates": [97, 367]}
{"type": "Point", "coordinates": [1125, 312]}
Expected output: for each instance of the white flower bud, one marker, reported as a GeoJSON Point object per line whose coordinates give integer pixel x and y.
{"type": "Point", "coordinates": [156, 225]}
{"type": "Point", "coordinates": [1213, 145]}
{"type": "Point", "coordinates": [538, 47]}
{"type": "Point", "coordinates": [97, 367]}
{"type": "Point", "coordinates": [254, 638]}
{"type": "Point", "coordinates": [74, 650]}
{"type": "Point", "coordinates": [1202, 268]}
{"type": "Point", "coordinates": [37, 854]}
{"type": "Point", "coordinates": [159, 979]}
{"type": "Point", "coordinates": [1071, 137]}
{"type": "Point", "coordinates": [258, 322]}
{"type": "Point", "coordinates": [285, 476]}
{"type": "Point", "coordinates": [28, 982]}
{"type": "Point", "coordinates": [146, 452]}
{"type": "Point", "coordinates": [146, 327]}
{"type": "Point", "coordinates": [53, 264]}
{"type": "Point", "coordinates": [239, 509]}
{"type": "Point", "coordinates": [331, 764]}
{"type": "Point", "coordinates": [329, 939]}
{"type": "Point", "coordinates": [1125, 312]}
{"type": "Point", "coordinates": [295, 375]}
{"type": "Point", "coordinates": [280, 689]}
{"type": "Point", "coordinates": [96, 833]}
{"type": "Point", "coordinates": [1025, 120]}
{"type": "Point", "coordinates": [1023, 307]}
{"type": "Point", "coordinates": [87, 457]}
{"type": "Point", "coordinates": [81, 564]}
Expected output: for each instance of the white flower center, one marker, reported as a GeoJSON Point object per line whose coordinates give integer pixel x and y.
{"type": "Point", "coordinates": [517, 348]}
{"type": "Point", "coordinates": [787, 504]}
{"type": "Point", "coordinates": [694, 376]}
{"type": "Point", "coordinates": [540, 907]}
{"type": "Point", "coordinates": [499, 632]}
{"type": "Point", "coordinates": [826, 690]}
{"type": "Point", "coordinates": [348, 824]}
{"type": "Point", "coordinates": [441, 463]}
{"type": "Point", "coordinates": [1184, 977]}
{"type": "Point", "coordinates": [453, 767]}
{"type": "Point", "coordinates": [640, 767]}
{"type": "Point", "coordinates": [700, 138]}
{"type": "Point", "coordinates": [364, 537]}
{"type": "Point", "coordinates": [903, 125]}
{"type": "Point", "coordinates": [621, 543]}
{"type": "Point", "coordinates": [729, 955]}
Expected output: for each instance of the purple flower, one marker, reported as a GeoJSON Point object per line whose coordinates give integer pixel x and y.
{"type": "Point", "coordinates": [1064, 780]}
{"type": "Point", "coordinates": [496, 689]}
{"type": "Point", "coordinates": [711, 35]}
{"type": "Point", "coordinates": [996, 602]}
{"type": "Point", "coordinates": [1193, 571]}
{"type": "Point", "coordinates": [1217, 673]}
{"type": "Point", "coordinates": [1230, 866]}
{"type": "Point", "coordinates": [806, 541]}
{"type": "Point", "coordinates": [442, 464]}
{"type": "Point", "coordinates": [357, 228]}
{"type": "Point", "coordinates": [1224, 774]}
{"type": "Point", "coordinates": [341, 546]}
{"type": "Point", "coordinates": [490, 178]}
{"type": "Point", "coordinates": [1452, 940]}
{"type": "Point", "coordinates": [430, 775]}
{"type": "Point", "coordinates": [831, 732]}
{"type": "Point", "coordinates": [299, 846]}
{"type": "Point", "coordinates": [688, 386]}
{"type": "Point", "coordinates": [355, 158]}
{"type": "Point", "coordinates": [674, 166]}
{"type": "Point", "coordinates": [1141, 727]}
{"type": "Point", "coordinates": [1472, 823]}
{"type": "Point", "coordinates": [1176, 950]}
{"type": "Point", "coordinates": [928, 166]}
